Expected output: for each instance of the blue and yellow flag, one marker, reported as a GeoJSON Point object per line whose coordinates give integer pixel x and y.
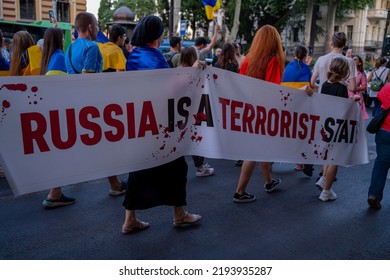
{"type": "Point", "coordinates": [210, 7]}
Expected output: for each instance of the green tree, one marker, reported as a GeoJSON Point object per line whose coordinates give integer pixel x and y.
{"type": "Point", "coordinates": [140, 8]}
{"type": "Point", "coordinates": [104, 13]}
{"type": "Point", "coordinates": [193, 11]}
{"type": "Point", "coordinates": [256, 13]}
{"type": "Point", "coordinates": [337, 8]}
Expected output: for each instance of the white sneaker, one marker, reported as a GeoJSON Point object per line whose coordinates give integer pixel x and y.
{"type": "Point", "coordinates": [327, 195]}
{"type": "Point", "coordinates": [321, 183]}
{"type": "Point", "coordinates": [204, 171]}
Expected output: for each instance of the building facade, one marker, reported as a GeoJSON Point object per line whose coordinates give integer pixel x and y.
{"type": "Point", "coordinates": [35, 10]}
{"type": "Point", "coordinates": [365, 30]}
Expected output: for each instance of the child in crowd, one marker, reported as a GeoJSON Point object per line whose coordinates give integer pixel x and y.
{"type": "Point", "coordinates": [338, 72]}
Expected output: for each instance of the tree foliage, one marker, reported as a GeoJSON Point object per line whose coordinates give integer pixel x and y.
{"type": "Point", "coordinates": [193, 11]}
{"type": "Point", "coordinates": [104, 13]}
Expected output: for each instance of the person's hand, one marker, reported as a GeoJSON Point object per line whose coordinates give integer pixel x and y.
{"type": "Point", "coordinates": [309, 90]}
{"type": "Point", "coordinates": [356, 97]}
{"type": "Point", "coordinates": [199, 64]}
{"type": "Point", "coordinates": [216, 26]}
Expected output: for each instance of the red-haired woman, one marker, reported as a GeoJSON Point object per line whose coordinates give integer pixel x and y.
{"type": "Point", "coordinates": [265, 61]}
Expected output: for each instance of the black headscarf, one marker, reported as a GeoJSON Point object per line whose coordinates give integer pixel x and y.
{"type": "Point", "coordinates": [147, 30]}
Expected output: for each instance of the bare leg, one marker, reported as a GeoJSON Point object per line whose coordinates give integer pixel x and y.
{"type": "Point", "coordinates": [55, 193]}
{"type": "Point", "coordinates": [331, 172]}
{"type": "Point", "coordinates": [265, 168]}
{"type": "Point", "coordinates": [115, 183]}
{"type": "Point", "coordinates": [132, 224]}
{"type": "Point", "coordinates": [246, 173]}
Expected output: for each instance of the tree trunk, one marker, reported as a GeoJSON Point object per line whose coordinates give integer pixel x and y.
{"type": "Point", "coordinates": [332, 7]}
{"type": "Point", "coordinates": [236, 21]}
{"type": "Point", "coordinates": [309, 16]}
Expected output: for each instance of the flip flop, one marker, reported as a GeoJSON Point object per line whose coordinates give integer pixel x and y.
{"type": "Point", "coordinates": [140, 226]}
{"type": "Point", "coordinates": [188, 219]}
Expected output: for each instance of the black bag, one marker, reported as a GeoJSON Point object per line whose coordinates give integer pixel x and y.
{"type": "Point", "coordinates": [375, 124]}
{"type": "Point", "coordinates": [169, 56]}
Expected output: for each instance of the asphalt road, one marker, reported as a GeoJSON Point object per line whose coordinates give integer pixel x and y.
{"type": "Point", "coordinates": [290, 223]}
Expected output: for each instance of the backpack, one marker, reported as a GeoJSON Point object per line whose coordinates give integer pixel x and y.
{"type": "Point", "coordinates": [168, 57]}
{"type": "Point", "coordinates": [377, 83]}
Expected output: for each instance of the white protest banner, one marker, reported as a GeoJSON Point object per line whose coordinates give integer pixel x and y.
{"type": "Point", "coordinates": [59, 130]}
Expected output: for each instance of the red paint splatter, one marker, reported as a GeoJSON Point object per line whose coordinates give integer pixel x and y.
{"type": "Point", "coordinates": [6, 104]}
{"type": "Point", "coordinates": [199, 117]}
{"type": "Point", "coordinates": [199, 139]}
{"type": "Point", "coordinates": [309, 142]}
{"type": "Point", "coordinates": [193, 137]}
{"type": "Point", "coordinates": [15, 87]}
{"type": "Point", "coordinates": [182, 135]}
{"type": "Point", "coordinates": [326, 154]}
{"type": "Point", "coordinates": [285, 98]}
{"type": "Point", "coordinates": [303, 155]}
{"type": "Point", "coordinates": [215, 76]}
{"type": "Point", "coordinates": [34, 89]}
{"type": "Point", "coordinates": [162, 147]}
{"type": "Point", "coordinates": [323, 134]}
{"type": "Point", "coordinates": [202, 86]}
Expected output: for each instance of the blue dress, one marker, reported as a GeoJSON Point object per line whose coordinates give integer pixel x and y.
{"type": "Point", "coordinates": [164, 184]}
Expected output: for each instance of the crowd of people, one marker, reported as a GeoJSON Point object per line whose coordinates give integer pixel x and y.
{"type": "Point", "coordinates": [334, 74]}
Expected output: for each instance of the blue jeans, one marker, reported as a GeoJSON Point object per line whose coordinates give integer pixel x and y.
{"type": "Point", "coordinates": [377, 106]}
{"type": "Point", "coordinates": [381, 165]}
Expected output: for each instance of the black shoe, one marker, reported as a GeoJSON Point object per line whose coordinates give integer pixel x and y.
{"type": "Point", "coordinates": [308, 170]}
{"type": "Point", "coordinates": [62, 201]}
{"type": "Point", "coordinates": [374, 202]}
{"type": "Point", "coordinates": [245, 197]}
{"type": "Point", "coordinates": [270, 187]}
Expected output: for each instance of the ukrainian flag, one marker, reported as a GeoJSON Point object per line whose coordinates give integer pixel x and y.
{"type": "Point", "coordinates": [210, 7]}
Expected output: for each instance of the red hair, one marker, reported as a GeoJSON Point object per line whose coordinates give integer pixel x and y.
{"type": "Point", "coordinates": [265, 45]}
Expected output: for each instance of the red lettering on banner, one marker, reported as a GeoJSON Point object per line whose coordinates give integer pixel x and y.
{"type": "Point", "coordinates": [55, 127]}
{"type": "Point", "coordinates": [234, 115]}
{"type": "Point", "coordinates": [225, 102]}
{"type": "Point", "coordinates": [29, 135]}
{"type": "Point", "coordinates": [115, 123]}
{"type": "Point", "coordinates": [247, 118]}
{"type": "Point", "coordinates": [89, 125]}
{"type": "Point", "coordinates": [260, 120]}
{"type": "Point", "coordinates": [130, 121]}
{"type": "Point", "coordinates": [244, 117]}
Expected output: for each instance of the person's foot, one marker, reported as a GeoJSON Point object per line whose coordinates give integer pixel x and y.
{"type": "Point", "coordinates": [134, 227]}
{"type": "Point", "coordinates": [271, 186]}
{"type": "Point", "coordinates": [308, 169]}
{"type": "Point", "coordinates": [204, 170]}
{"type": "Point", "coordinates": [321, 183]}
{"type": "Point", "coordinates": [120, 190]}
{"type": "Point", "coordinates": [242, 198]}
{"type": "Point", "coordinates": [298, 167]}
{"type": "Point", "coordinates": [374, 202]}
{"type": "Point", "coordinates": [238, 162]}
{"type": "Point", "coordinates": [62, 201]}
{"type": "Point", "coordinates": [327, 195]}
{"type": "Point", "coordinates": [187, 219]}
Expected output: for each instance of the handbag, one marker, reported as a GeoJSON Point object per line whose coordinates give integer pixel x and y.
{"type": "Point", "coordinates": [375, 124]}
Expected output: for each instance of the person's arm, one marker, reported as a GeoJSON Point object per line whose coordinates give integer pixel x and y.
{"type": "Point", "coordinates": [214, 38]}
{"type": "Point", "coordinates": [370, 76]}
{"type": "Point", "coordinates": [313, 80]}
{"type": "Point", "coordinates": [352, 76]}
{"type": "Point", "coordinates": [388, 77]}
{"type": "Point", "coordinates": [363, 82]}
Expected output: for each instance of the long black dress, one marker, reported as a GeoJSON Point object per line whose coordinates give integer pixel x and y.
{"type": "Point", "coordinates": [164, 184]}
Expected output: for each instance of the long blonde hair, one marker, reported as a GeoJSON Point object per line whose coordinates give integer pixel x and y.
{"type": "Point", "coordinates": [265, 45]}
{"type": "Point", "coordinates": [21, 41]}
